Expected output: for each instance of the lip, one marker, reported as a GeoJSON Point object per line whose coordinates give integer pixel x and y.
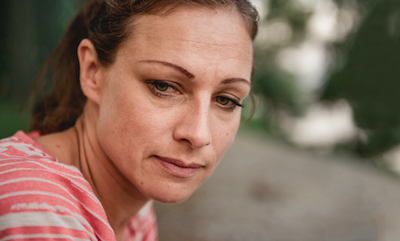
{"type": "Point", "coordinates": [178, 168]}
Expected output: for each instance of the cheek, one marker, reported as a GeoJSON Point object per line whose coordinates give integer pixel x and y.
{"type": "Point", "coordinates": [116, 122]}
{"type": "Point", "coordinates": [113, 114]}
{"type": "Point", "coordinates": [228, 128]}
{"type": "Point", "coordinates": [129, 120]}
{"type": "Point", "coordinates": [120, 102]}
{"type": "Point", "coordinates": [224, 135]}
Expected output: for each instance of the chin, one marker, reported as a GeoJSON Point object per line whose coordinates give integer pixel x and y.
{"type": "Point", "coordinates": [169, 195]}
{"type": "Point", "coordinates": [171, 198]}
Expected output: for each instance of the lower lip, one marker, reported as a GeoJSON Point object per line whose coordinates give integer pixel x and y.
{"type": "Point", "coordinates": [178, 171]}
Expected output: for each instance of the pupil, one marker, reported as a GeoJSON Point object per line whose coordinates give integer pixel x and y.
{"type": "Point", "coordinates": [223, 100]}
{"type": "Point", "coordinates": [162, 86]}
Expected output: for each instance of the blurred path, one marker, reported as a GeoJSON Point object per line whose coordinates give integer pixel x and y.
{"type": "Point", "coordinates": [266, 191]}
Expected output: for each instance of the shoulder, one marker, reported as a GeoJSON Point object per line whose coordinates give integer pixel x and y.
{"type": "Point", "coordinates": [21, 145]}
{"type": "Point", "coordinates": [20, 161]}
{"type": "Point", "coordinates": [28, 167]}
{"type": "Point", "coordinates": [42, 198]}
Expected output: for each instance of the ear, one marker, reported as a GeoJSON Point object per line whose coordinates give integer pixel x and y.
{"type": "Point", "coordinates": [90, 75]}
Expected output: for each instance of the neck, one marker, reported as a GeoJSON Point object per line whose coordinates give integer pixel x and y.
{"type": "Point", "coordinates": [80, 147]}
{"type": "Point", "coordinates": [120, 199]}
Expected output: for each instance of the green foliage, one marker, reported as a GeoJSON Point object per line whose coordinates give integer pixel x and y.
{"type": "Point", "coordinates": [296, 16]}
{"type": "Point", "coordinates": [12, 118]}
{"type": "Point", "coordinates": [277, 90]}
{"type": "Point", "coordinates": [29, 31]}
{"type": "Point", "coordinates": [370, 79]}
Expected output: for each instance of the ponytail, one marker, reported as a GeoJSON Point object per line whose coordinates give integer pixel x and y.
{"type": "Point", "coordinates": [59, 109]}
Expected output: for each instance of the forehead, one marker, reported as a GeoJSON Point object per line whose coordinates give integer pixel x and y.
{"type": "Point", "coordinates": [213, 19]}
{"type": "Point", "coordinates": [198, 30]}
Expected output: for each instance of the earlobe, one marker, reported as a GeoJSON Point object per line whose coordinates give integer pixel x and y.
{"type": "Point", "coordinates": [90, 70]}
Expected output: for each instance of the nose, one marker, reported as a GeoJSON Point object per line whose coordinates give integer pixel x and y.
{"type": "Point", "coordinates": [194, 125]}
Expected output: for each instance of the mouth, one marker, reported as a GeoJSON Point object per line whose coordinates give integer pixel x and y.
{"type": "Point", "coordinates": [178, 168]}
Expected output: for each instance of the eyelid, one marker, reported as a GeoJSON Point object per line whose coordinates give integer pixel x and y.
{"type": "Point", "coordinates": [234, 103]}
{"type": "Point", "coordinates": [171, 83]}
{"type": "Point", "coordinates": [153, 82]}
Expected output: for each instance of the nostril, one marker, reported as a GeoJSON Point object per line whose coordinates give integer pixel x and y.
{"type": "Point", "coordinates": [197, 141]}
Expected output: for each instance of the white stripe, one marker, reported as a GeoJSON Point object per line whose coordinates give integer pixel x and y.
{"type": "Point", "coordinates": [37, 193]}
{"type": "Point", "coordinates": [47, 219]}
{"type": "Point", "coordinates": [29, 219]}
{"type": "Point", "coordinates": [83, 220]}
{"type": "Point", "coordinates": [36, 162]}
{"type": "Point", "coordinates": [52, 236]}
{"type": "Point", "coordinates": [92, 196]}
{"type": "Point", "coordinates": [43, 218]}
{"type": "Point", "coordinates": [39, 169]}
{"type": "Point", "coordinates": [26, 148]}
{"type": "Point", "coordinates": [61, 197]}
{"type": "Point", "coordinates": [85, 190]}
{"type": "Point", "coordinates": [80, 177]}
{"type": "Point", "coordinates": [63, 174]}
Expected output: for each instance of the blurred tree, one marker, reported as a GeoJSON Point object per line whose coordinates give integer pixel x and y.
{"type": "Point", "coordinates": [287, 25]}
{"type": "Point", "coordinates": [369, 79]}
{"type": "Point", "coordinates": [29, 30]}
{"type": "Point", "coordinates": [278, 89]}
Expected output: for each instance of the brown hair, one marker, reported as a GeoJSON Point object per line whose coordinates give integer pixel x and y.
{"type": "Point", "coordinates": [105, 24]}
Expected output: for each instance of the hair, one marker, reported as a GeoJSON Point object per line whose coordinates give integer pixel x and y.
{"type": "Point", "coordinates": [106, 23]}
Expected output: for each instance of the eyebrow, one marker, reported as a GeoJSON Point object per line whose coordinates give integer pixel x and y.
{"type": "Point", "coordinates": [233, 80]}
{"type": "Point", "coordinates": [190, 75]}
{"type": "Point", "coordinates": [180, 69]}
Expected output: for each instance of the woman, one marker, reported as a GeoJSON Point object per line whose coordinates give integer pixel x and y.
{"type": "Point", "coordinates": [146, 101]}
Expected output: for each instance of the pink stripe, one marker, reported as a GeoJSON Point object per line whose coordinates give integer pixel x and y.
{"type": "Point", "coordinates": [44, 229]}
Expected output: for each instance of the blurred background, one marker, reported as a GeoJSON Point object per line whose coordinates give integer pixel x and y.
{"type": "Point", "coordinates": [327, 119]}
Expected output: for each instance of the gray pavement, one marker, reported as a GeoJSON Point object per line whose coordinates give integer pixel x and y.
{"type": "Point", "coordinates": [263, 190]}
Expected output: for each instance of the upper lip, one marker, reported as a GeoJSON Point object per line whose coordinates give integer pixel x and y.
{"type": "Point", "coordinates": [180, 163]}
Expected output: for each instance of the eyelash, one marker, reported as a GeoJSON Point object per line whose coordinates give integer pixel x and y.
{"type": "Point", "coordinates": [230, 106]}
{"type": "Point", "coordinates": [152, 85]}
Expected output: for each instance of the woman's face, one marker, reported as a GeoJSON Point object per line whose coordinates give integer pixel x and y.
{"type": "Point", "coordinates": [170, 103]}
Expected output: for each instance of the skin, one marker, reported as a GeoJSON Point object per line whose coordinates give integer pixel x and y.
{"type": "Point", "coordinates": [158, 119]}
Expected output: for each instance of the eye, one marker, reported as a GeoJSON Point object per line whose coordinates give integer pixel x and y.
{"type": "Point", "coordinates": [227, 103]}
{"type": "Point", "coordinates": [222, 100]}
{"type": "Point", "coordinates": [162, 88]}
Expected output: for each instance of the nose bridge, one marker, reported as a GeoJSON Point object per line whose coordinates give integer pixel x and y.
{"type": "Point", "coordinates": [194, 126]}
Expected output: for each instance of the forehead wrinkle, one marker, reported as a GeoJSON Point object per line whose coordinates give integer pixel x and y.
{"type": "Point", "coordinates": [222, 44]}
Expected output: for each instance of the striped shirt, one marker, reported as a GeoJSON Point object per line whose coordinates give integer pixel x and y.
{"type": "Point", "coordinates": [42, 199]}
